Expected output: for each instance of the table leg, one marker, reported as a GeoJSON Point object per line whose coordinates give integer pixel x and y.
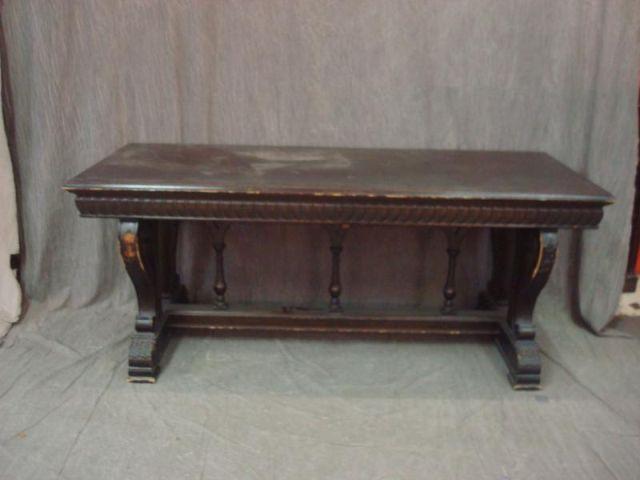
{"type": "Point", "coordinates": [172, 287]}
{"type": "Point", "coordinates": [534, 255]}
{"type": "Point", "coordinates": [502, 248]}
{"type": "Point", "coordinates": [139, 247]}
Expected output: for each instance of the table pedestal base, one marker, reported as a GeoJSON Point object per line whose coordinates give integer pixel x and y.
{"type": "Point", "coordinates": [521, 270]}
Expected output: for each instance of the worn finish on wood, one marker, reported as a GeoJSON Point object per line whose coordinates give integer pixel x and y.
{"type": "Point", "coordinates": [329, 185]}
{"type": "Point", "coordinates": [269, 318]}
{"type": "Point", "coordinates": [535, 253]}
{"type": "Point", "coordinates": [524, 196]}
{"type": "Point", "coordinates": [344, 172]}
{"type": "Point", "coordinates": [139, 245]}
{"type": "Point", "coordinates": [136, 249]}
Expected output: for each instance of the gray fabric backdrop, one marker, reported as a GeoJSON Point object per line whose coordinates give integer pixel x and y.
{"type": "Point", "coordinates": [10, 295]}
{"type": "Point", "coordinates": [89, 76]}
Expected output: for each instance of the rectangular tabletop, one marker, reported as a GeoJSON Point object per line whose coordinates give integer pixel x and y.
{"type": "Point", "coordinates": [309, 176]}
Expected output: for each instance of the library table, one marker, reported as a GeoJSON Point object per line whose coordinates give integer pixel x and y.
{"type": "Point", "coordinates": [522, 197]}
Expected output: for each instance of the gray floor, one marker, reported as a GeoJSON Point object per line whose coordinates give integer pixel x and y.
{"type": "Point", "coordinates": [293, 409]}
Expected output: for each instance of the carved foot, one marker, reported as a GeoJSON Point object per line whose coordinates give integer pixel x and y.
{"type": "Point", "coordinates": [522, 357]}
{"type": "Point", "coordinates": [143, 358]}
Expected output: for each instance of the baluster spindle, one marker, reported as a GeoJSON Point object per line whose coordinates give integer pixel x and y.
{"type": "Point", "coordinates": [454, 239]}
{"type": "Point", "coordinates": [336, 235]}
{"type": "Point", "coordinates": [220, 285]}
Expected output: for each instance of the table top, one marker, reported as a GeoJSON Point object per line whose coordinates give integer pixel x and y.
{"type": "Point", "coordinates": [339, 172]}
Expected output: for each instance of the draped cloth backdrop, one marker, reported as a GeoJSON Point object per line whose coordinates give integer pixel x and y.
{"type": "Point", "coordinates": [90, 76]}
{"type": "Point", "coordinates": [10, 295]}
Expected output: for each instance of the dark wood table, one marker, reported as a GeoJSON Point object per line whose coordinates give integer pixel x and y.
{"type": "Point", "coordinates": [523, 197]}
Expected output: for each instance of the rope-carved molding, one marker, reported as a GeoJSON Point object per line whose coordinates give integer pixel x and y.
{"type": "Point", "coordinates": [350, 213]}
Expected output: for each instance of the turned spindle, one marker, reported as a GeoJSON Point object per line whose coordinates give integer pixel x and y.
{"type": "Point", "coordinates": [220, 284]}
{"type": "Point", "coordinates": [336, 235]}
{"type": "Point", "coordinates": [454, 239]}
